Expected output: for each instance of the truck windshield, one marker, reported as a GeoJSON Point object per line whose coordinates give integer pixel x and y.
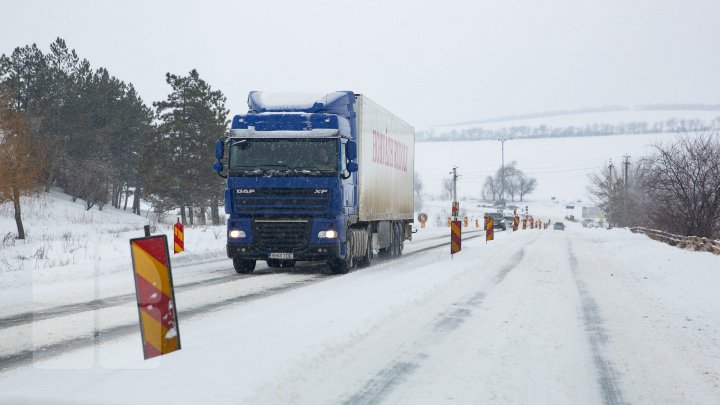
{"type": "Point", "coordinates": [283, 157]}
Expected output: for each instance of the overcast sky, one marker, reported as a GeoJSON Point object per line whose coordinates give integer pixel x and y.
{"type": "Point", "coordinates": [430, 62]}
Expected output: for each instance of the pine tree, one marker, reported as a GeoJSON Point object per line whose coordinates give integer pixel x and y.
{"type": "Point", "coordinates": [191, 118]}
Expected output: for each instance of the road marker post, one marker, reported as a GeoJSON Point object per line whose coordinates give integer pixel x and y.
{"type": "Point", "coordinates": [455, 229]}
{"type": "Point", "coordinates": [455, 237]}
{"type": "Point", "coordinates": [489, 233]}
{"type": "Point", "coordinates": [155, 295]}
{"type": "Point", "coordinates": [179, 237]}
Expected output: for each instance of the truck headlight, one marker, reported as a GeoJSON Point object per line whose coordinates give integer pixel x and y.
{"type": "Point", "coordinates": [328, 234]}
{"type": "Point", "coordinates": [236, 234]}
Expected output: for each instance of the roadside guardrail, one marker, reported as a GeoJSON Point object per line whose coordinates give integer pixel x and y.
{"type": "Point", "coordinates": [685, 242]}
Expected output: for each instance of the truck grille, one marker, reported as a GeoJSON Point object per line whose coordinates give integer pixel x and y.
{"type": "Point", "coordinates": [269, 200]}
{"type": "Point", "coordinates": [281, 236]}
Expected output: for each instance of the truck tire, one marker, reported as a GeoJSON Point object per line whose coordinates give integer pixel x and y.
{"type": "Point", "coordinates": [395, 248]}
{"type": "Point", "coordinates": [243, 266]}
{"type": "Point", "coordinates": [393, 243]}
{"type": "Point", "coordinates": [400, 241]}
{"type": "Point", "coordinates": [387, 252]}
{"type": "Point", "coordinates": [342, 266]}
{"type": "Point", "coordinates": [396, 243]}
{"type": "Point", "coordinates": [365, 260]}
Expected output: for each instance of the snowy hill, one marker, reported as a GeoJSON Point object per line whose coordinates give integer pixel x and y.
{"type": "Point", "coordinates": [579, 123]}
{"type": "Point", "coordinates": [561, 165]}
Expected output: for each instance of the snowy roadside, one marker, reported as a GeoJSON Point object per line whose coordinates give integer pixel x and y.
{"type": "Point", "coordinates": [72, 255]}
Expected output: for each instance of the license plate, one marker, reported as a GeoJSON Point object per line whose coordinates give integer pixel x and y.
{"type": "Point", "coordinates": [284, 256]}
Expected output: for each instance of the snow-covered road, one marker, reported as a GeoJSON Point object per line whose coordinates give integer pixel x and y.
{"type": "Point", "coordinates": [49, 330]}
{"type": "Point", "coordinates": [581, 316]}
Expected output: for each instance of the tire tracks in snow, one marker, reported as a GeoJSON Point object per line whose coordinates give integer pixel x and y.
{"type": "Point", "coordinates": [116, 300]}
{"type": "Point", "coordinates": [71, 309]}
{"type": "Point", "coordinates": [394, 374]}
{"type": "Point", "coordinates": [114, 332]}
{"type": "Point", "coordinates": [50, 350]}
{"type": "Point", "coordinates": [608, 378]}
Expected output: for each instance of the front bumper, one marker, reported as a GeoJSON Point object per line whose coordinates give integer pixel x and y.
{"type": "Point", "coordinates": [313, 252]}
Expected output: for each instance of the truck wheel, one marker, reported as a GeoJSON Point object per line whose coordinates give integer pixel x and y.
{"type": "Point", "coordinates": [343, 266]}
{"type": "Point", "coordinates": [390, 250]}
{"type": "Point", "coordinates": [243, 266]}
{"type": "Point", "coordinates": [394, 249]}
{"type": "Point", "coordinates": [367, 258]}
{"type": "Point", "coordinates": [401, 240]}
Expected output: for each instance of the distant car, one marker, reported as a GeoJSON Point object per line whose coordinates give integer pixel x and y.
{"type": "Point", "coordinates": [498, 220]}
{"type": "Point", "coordinates": [587, 223]}
{"type": "Point", "coordinates": [559, 226]}
{"type": "Point", "coordinates": [509, 221]}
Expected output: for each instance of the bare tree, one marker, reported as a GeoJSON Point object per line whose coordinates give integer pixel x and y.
{"type": "Point", "coordinates": [91, 178]}
{"type": "Point", "coordinates": [490, 189]}
{"type": "Point", "coordinates": [417, 191]}
{"type": "Point", "coordinates": [682, 186]}
{"type": "Point", "coordinates": [602, 189]}
{"type": "Point", "coordinates": [526, 185]}
{"type": "Point", "coordinates": [446, 192]}
{"type": "Point", "coordinates": [512, 179]}
{"type": "Point", "coordinates": [623, 204]}
{"type": "Point", "coordinates": [517, 183]}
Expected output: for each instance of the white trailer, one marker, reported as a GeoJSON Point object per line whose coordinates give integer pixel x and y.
{"type": "Point", "coordinates": [386, 156]}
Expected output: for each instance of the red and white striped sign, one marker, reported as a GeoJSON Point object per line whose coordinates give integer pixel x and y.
{"type": "Point", "coordinates": [155, 295]}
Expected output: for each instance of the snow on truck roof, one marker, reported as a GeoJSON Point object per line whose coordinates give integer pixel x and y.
{"type": "Point", "coordinates": [269, 101]}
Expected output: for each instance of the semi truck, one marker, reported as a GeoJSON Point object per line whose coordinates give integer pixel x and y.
{"type": "Point", "coordinates": [326, 178]}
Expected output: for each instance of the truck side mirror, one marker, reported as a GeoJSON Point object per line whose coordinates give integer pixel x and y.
{"type": "Point", "coordinates": [352, 167]}
{"type": "Point", "coordinates": [219, 149]}
{"type": "Point", "coordinates": [218, 167]}
{"type": "Point", "coordinates": [219, 152]}
{"type": "Point", "coordinates": [351, 151]}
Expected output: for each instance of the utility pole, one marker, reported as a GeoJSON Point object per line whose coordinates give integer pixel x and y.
{"type": "Point", "coordinates": [612, 218]}
{"type": "Point", "coordinates": [626, 164]}
{"type": "Point", "coordinates": [455, 176]}
{"type": "Point", "coordinates": [502, 169]}
{"type": "Point", "coordinates": [455, 204]}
